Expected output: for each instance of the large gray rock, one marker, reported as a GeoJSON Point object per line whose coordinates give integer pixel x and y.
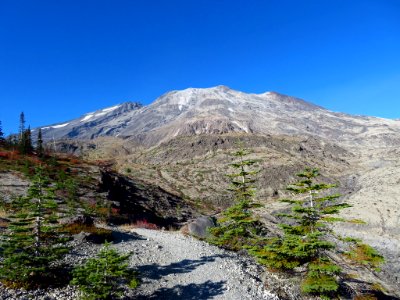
{"type": "Point", "coordinates": [200, 225]}
{"type": "Point", "coordinates": [12, 184]}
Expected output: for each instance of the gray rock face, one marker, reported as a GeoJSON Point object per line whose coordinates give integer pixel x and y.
{"type": "Point", "coordinates": [220, 110]}
{"type": "Point", "coordinates": [199, 226]}
{"type": "Point", "coordinates": [103, 122]}
{"type": "Point", "coordinates": [12, 185]}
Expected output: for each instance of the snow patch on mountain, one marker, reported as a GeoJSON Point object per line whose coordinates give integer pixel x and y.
{"type": "Point", "coordinates": [111, 108]}
{"type": "Point", "coordinates": [60, 125]}
{"type": "Point", "coordinates": [55, 126]}
{"type": "Point", "coordinates": [87, 117]}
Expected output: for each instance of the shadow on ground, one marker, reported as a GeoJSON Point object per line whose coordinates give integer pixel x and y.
{"type": "Point", "coordinates": [193, 291]}
{"type": "Point", "coordinates": [156, 272]}
{"type": "Point", "coordinates": [119, 237]}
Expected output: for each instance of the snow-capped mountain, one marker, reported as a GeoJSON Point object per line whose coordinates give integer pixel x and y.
{"type": "Point", "coordinates": [91, 125]}
{"type": "Point", "coordinates": [218, 110]}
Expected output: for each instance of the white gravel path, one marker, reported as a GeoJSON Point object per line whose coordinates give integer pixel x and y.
{"type": "Point", "coordinates": [174, 266]}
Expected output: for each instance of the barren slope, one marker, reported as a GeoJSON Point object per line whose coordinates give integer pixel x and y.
{"type": "Point", "coordinates": [220, 110]}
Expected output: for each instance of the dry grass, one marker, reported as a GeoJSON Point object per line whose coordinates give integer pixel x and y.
{"type": "Point", "coordinates": [365, 255]}
{"type": "Point", "coordinates": [3, 213]}
{"type": "Point", "coordinates": [76, 228]}
{"type": "Point", "coordinates": [139, 224]}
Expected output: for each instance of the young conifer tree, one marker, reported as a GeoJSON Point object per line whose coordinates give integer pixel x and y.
{"type": "Point", "coordinates": [21, 125]}
{"type": "Point", "coordinates": [305, 240]}
{"type": "Point", "coordinates": [39, 145]}
{"type": "Point", "coordinates": [33, 240]}
{"type": "Point", "coordinates": [24, 137]}
{"type": "Point", "coordinates": [28, 148]}
{"type": "Point", "coordinates": [102, 277]}
{"type": "Point", "coordinates": [2, 139]}
{"type": "Point", "coordinates": [238, 227]}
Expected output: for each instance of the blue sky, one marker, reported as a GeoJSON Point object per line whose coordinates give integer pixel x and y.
{"type": "Point", "coordinates": [60, 59]}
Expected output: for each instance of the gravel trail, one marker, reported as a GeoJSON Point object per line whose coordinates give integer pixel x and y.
{"type": "Point", "coordinates": [174, 266]}
{"type": "Point", "coordinates": [170, 266]}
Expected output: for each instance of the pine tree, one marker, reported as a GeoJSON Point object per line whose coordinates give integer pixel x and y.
{"type": "Point", "coordinates": [21, 125]}
{"type": "Point", "coordinates": [238, 227]}
{"type": "Point", "coordinates": [306, 231]}
{"type": "Point", "coordinates": [28, 148]}
{"type": "Point", "coordinates": [39, 145]}
{"type": "Point", "coordinates": [2, 139]}
{"type": "Point", "coordinates": [33, 241]}
{"type": "Point", "coordinates": [101, 277]}
{"type": "Point", "coordinates": [25, 138]}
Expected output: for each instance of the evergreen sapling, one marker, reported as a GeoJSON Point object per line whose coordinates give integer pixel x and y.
{"type": "Point", "coordinates": [238, 227]}
{"type": "Point", "coordinates": [102, 277]}
{"type": "Point", "coordinates": [33, 242]}
{"type": "Point", "coordinates": [305, 239]}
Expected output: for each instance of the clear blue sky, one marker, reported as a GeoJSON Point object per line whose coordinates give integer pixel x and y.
{"type": "Point", "coordinates": [60, 59]}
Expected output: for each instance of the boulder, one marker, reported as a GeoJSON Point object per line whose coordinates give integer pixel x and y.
{"type": "Point", "coordinates": [199, 226]}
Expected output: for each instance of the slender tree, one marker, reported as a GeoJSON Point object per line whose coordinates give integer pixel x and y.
{"type": "Point", "coordinates": [2, 139]}
{"type": "Point", "coordinates": [306, 237]}
{"type": "Point", "coordinates": [39, 145]}
{"type": "Point", "coordinates": [25, 138]}
{"type": "Point", "coordinates": [33, 241]}
{"type": "Point", "coordinates": [238, 227]}
{"type": "Point", "coordinates": [21, 125]}
{"type": "Point", "coordinates": [28, 148]}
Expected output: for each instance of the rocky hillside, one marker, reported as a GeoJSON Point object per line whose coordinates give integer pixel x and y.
{"type": "Point", "coordinates": [92, 189]}
{"type": "Point", "coordinates": [220, 110]}
{"type": "Point", "coordinates": [102, 122]}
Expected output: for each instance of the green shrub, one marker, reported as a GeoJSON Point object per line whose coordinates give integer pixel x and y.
{"type": "Point", "coordinates": [102, 277]}
{"type": "Point", "coordinates": [365, 255]}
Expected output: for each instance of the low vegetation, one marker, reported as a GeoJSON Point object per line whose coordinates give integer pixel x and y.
{"type": "Point", "coordinates": [104, 276]}
{"type": "Point", "coordinates": [96, 234]}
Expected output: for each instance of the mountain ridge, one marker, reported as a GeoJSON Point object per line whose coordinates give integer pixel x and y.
{"type": "Point", "coordinates": [220, 110]}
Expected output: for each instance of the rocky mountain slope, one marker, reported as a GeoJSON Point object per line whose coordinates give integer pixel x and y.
{"type": "Point", "coordinates": [105, 121]}
{"type": "Point", "coordinates": [221, 110]}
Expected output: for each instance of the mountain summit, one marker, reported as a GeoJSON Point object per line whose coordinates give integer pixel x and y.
{"type": "Point", "coordinates": [219, 110]}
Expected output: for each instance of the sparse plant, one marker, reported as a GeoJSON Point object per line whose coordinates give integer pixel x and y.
{"type": "Point", "coordinates": [97, 234]}
{"type": "Point", "coordinates": [103, 277]}
{"type": "Point", "coordinates": [365, 255]}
